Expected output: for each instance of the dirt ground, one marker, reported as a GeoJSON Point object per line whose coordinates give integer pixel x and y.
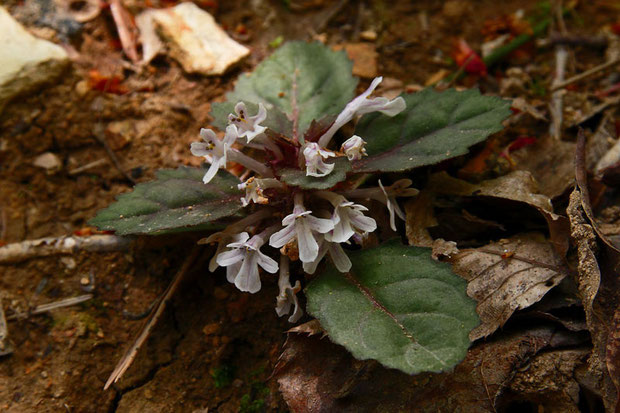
{"type": "Point", "coordinates": [215, 348]}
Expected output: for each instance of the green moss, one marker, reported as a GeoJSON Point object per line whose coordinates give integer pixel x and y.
{"type": "Point", "coordinates": [223, 376]}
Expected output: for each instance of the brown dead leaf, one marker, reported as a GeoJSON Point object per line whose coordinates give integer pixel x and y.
{"type": "Point", "coordinates": [419, 217]}
{"type": "Point", "coordinates": [550, 163]}
{"type": "Point", "coordinates": [613, 354]}
{"type": "Point", "coordinates": [311, 328]}
{"type": "Point", "coordinates": [364, 57]}
{"type": "Point", "coordinates": [517, 186]}
{"type": "Point", "coordinates": [506, 276]}
{"type": "Point", "coordinates": [316, 375]}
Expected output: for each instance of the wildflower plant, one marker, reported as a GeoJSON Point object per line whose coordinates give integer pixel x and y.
{"type": "Point", "coordinates": [304, 206]}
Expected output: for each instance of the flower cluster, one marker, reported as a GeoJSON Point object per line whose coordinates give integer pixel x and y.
{"type": "Point", "coordinates": [305, 225]}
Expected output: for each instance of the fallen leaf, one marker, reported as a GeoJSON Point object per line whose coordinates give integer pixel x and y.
{"type": "Point", "coordinates": [316, 375]}
{"type": "Point", "coordinates": [612, 356]}
{"type": "Point", "coordinates": [501, 285]}
{"type": "Point", "coordinates": [419, 217]}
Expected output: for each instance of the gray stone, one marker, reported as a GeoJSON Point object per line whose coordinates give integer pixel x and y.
{"type": "Point", "coordinates": [27, 62]}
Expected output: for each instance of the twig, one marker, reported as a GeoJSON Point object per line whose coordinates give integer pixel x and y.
{"type": "Point", "coordinates": [44, 247]}
{"type": "Point", "coordinates": [88, 166]}
{"type": "Point", "coordinates": [44, 308]}
{"type": "Point", "coordinates": [574, 40]}
{"type": "Point", "coordinates": [5, 346]}
{"type": "Point", "coordinates": [149, 323]}
{"type": "Point", "coordinates": [126, 33]}
{"type": "Point", "coordinates": [585, 74]}
{"type": "Point", "coordinates": [556, 103]}
{"type": "Point", "coordinates": [100, 136]}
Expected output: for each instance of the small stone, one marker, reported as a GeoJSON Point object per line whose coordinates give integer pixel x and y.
{"type": "Point", "coordinates": [82, 88]}
{"type": "Point", "coordinates": [84, 281]}
{"type": "Point", "coordinates": [210, 329]}
{"type": "Point", "coordinates": [100, 334]}
{"type": "Point", "coordinates": [44, 374]}
{"type": "Point", "coordinates": [27, 62]}
{"type": "Point", "coordinates": [68, 262]}
{"type": "Point", "coordinates": [120, 133]}
{"type": "Point", "coordinates": [48, 161]}
{"type": "Point", "coordinates": [194, 39]}
{"type": "Point", "coordinates": [369, 35]}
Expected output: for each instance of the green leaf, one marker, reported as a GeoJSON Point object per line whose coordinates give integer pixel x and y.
{"type": "Point", "coordinates": [434, 127]}
{"type": "Point", "coordinates": [397, 306]}
{"type": "Point", "coordinates": [176, 200]}
{"type": "Point", "coordinates": [304, 81]}
{"type": "Point", "coordinates": [297, 177]}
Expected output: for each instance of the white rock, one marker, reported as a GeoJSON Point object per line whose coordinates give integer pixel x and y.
{"type": "Point", "coordinates": [193, 38]}
{"type": "Point", "coordinates": [27, 62]}
{"type": "Point", "coordinates": [48, 161]}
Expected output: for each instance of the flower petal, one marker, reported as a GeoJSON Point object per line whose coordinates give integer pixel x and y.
{"type": "Point", "coordinates": [308, 247]}
{"type": "Point", "coordinates": [267, 263]}
{"type": "Point", "coordinates": [282, 237]}
{"type": "Point", "coordinates": [339, 257]}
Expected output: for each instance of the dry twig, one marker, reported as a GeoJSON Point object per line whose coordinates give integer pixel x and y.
{"type": "Point", "coordinates": [5, 346]}
{"type": "Point", "coordinates": [44, 308]}
{"type": "Point", "coordinates": [149, 323]}
{"type": "Point", "coordinates": [581, 76]}
{"type": "Point", "coordinates": [44, 247]}
{"type": "Point", "coordinates": [100, 136]}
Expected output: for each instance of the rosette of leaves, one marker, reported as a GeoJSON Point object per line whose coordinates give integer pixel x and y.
{"type": "Point", "coordinates": [396, 305]}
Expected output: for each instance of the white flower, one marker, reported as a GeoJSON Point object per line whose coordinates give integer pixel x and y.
{"type": "Point", "coordinates": [214, 150]}
{"type": "Point", "coordinates": [336, 253]}
{"type": "Point", "coordinates": [362, 105]}
{"type": "Point", "coordinates": [348, 218]}
{"type": "Point", "coordinates": [399, 188]}
{"type": "Point", "coordinates": [302, 226]}
{"type": "Point", "coordinates": [287, 296]}
{"type": "Point", "coordinates": [254, 190]}
{"type": "Point", "coordinates": [243, 260]}
{"type": "Point", "coordinates": [354, 148]}
{"type": "Point", "coordinates": [248, 126]}
{"type": "Point", "coordinates": [315, 160]}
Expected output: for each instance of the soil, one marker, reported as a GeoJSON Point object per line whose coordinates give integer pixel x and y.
{"type": "Point", "coordinates": [215, 348]}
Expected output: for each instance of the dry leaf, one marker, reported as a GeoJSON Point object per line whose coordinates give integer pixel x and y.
{"type": "Point", "coordinates": [506, 276]}
{"type": "Point", "coordinates": [419, 217]}
{"type": "Point", "coordinates": [316, 375]}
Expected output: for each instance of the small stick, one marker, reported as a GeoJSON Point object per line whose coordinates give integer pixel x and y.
{"type": "Point", "coordinates": [88, 166]}
{"type": "Point", "coordinates": [149, 323]}
{"type": "Point", "coordinates": [3, 224]}
{"type": "Point", "coordinates": [44, 308]}
{"type": "Point", "coordinates": [556, 103]}
{"type": "Point", "coordinates": [585, 74]}
{"type": "Point", "coordinates": [44, 247]}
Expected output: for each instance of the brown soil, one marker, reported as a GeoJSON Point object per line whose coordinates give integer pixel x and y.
{"type": "Point", "coordinates": [214, 348]}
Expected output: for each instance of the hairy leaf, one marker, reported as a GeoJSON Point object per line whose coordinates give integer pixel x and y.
{"type": "Point", "coordinates": [176, 200]}
{"type": "Point", "coordinates": [297, 177]}
{"type": "Point", "coordinates": [305, 81]}
{"type": "Point", "coordinates": [434, 127]}
{"type": "Point", "coordinates": [398, 306]}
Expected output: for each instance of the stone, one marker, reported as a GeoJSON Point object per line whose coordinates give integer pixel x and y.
{"type": "Point", "coordinates": [48, 161]}
{"type": "Point", "coordinates": [193, 38]}
{"type": "Point", "coordinates": [27, 62]}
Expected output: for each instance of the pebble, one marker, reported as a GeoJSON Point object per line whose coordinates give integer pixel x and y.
{"type": "Point", "coordinates": [27, 62]}
{"type": "Point", "coordinates": [48, 161]}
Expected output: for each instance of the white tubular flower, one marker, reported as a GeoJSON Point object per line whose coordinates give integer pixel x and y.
{"type": "Point", "coordinates": [362, 105]}
{"type": "Point", "coordinates": [348, 218]}
{"type": "Point", "coordinates": [336, 253]}
{"type": "Point", "coordinates": [354, 148]}
{"type": "Point", "coordinates": [302, 226]}
{"type": "Point", "coordinates": [399, 188]}
{"type": "Point", "coordinates": [230, 234]}
{"type": "Point", "coordinates": [287, 296]}
{"type": "Point", "coordinates": [248, 126]}
{"type": "Point", "coordinates": [254, 190]}
{"type": "Point", "coordinates": [242, 262]}
{"type": "Point", "coordinates": [214, 150]}
{"type": "Point", "coordinates": [315, 160]}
